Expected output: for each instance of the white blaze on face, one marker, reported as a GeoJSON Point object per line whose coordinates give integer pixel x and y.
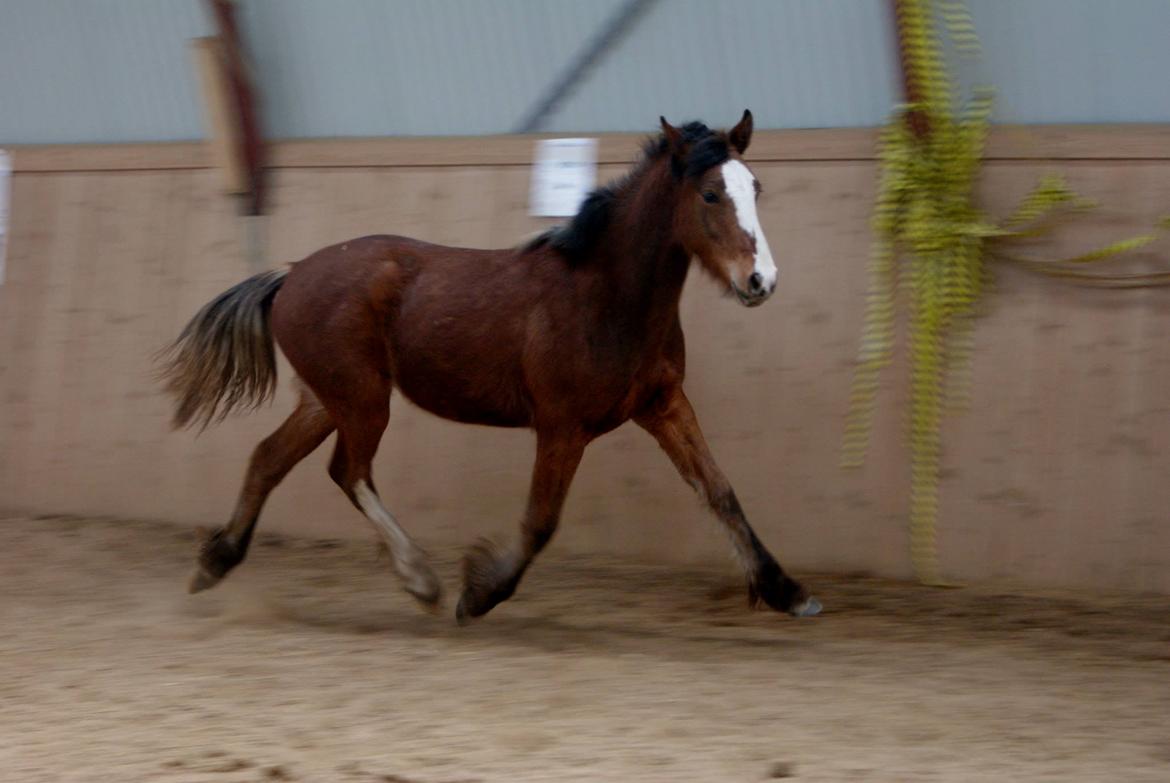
{"type": "Point", "coordinates": [741, 187]}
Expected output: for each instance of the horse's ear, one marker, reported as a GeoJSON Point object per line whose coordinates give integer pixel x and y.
{"type": "Point", "coordinates": [741, 135]}
{"type": "Point", "coordinates": [674, 139]}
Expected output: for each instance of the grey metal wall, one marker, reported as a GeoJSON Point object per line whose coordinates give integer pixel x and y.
{"type": "Point", "coordinates": [1059, 61]}
{"type": "Point", "coordinates": [98, 70]}
{"type": "Point", "coordinates": [119, 70]}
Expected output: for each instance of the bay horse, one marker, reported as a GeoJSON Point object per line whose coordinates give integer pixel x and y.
{"type": "Point", "coordinates": [570, 334]}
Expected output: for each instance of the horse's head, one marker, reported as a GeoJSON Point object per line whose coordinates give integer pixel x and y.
{"type": "Point", "coordinates": [715, 218]}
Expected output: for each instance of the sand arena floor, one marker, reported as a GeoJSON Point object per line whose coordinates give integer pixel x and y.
{"type": "Point", "coordinates": [309, 664]}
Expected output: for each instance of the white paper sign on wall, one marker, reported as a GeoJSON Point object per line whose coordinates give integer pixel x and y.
{"type": "Point", "coordinates": [564, 172]}
{"type": "Point", "coordinates": [5, 199]}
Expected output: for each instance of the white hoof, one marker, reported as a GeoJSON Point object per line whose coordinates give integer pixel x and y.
{"type": "Point", "coordinates": [810, 607]}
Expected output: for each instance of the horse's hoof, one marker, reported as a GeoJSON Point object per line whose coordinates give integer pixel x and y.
{"type": "Point", "coordinates": [201, 580]}
{"type": "Point", "coordinates": [490, 575]}
{"type": "Point", "coordinates": [429, 594]}
{"type": "Point", "coordinates": [423, 584]}
{"type": "Point", "coordinates": [809, 607]}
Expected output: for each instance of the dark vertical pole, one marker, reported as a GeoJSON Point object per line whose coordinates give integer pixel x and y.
{"type": "Point", "coordinates": [902, 12]}
{"type": "Point", "coordinates": [244, 100]}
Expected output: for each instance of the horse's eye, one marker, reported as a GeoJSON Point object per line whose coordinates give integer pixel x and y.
{"type": "Point", "coordinates": [710, 197]}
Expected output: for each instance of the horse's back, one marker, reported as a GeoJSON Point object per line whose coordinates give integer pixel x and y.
{"type": "Point", "coordinates": [446, 324]}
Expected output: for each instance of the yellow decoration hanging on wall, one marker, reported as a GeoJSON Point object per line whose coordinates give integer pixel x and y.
{"type": "Point", "coordinates": [932, 239]}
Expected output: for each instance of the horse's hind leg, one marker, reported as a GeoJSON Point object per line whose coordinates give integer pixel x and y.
{"type": "Point", "coordinates": [490, 574]}
{"type": "Point", "coordinates": [361, 421]}
{"type": "Point", "coordinates": [274, 457]}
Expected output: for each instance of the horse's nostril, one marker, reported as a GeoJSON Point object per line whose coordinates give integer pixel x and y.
{"type": "Point", "coordinates": [756, 283]}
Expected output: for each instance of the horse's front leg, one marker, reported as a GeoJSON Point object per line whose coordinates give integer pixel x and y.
{"type": "Point", "coordinates": [491, 573]}
{"type": "Point", "coordinates": [671, 420]}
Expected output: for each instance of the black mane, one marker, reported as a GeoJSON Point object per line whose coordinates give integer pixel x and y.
{"type": "Point", "coordinates": [705, 149]}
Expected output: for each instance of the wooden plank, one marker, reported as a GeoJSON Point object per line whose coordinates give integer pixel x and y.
{"type": "Point", "coordinates": [1079, 142]}
{"type": "Point", "coordinates": [37, 209]}
{"type": "Point", "coordinates": [28, 159]}
{"type": "Point", "coordinates": [619, 148]}
{"type": "Point", "coordinates": [1055, 142]}
{"type": "Point", "coordinates": [45, 475]}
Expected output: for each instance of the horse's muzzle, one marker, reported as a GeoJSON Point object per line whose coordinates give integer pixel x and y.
{"type": "Point", "coordinates": [755, 295]}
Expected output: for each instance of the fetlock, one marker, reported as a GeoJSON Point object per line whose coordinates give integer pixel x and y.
{"type": "Point", "coordinates": [490, 576]}
{"type": "Point", "coordinates": [769, 585]}
{"type": "Point", "coordinates": [217, 556]}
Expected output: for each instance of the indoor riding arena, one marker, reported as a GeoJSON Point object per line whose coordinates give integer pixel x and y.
{"type": "Point", "coordinates": [920, 531]}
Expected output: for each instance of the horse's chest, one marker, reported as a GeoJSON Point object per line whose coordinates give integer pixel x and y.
{"type": "Point", "coordinates": [610, 386]}
{"type": "Point", "coordinates": [608, 401]}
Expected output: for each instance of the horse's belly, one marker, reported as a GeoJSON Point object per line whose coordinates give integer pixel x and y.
{"type": "Point", "coordinates": [471, 393]}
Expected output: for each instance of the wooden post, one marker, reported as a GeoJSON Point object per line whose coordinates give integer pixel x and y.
{"type": "Point", "coordinates": [902, 13]}
{"type": "Point", "coordinates": [222, 132]}
{"type": "Point", "coordinates": [233, 124]}
{"type": "Point", "coordinates": [242, 96]}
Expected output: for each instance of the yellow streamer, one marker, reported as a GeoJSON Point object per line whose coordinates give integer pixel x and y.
{"type": "Point", "coordinates": [928, 229]}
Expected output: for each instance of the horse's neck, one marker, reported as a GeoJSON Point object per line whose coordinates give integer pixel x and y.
{"type": "Point", "coordinates": [644, 269]}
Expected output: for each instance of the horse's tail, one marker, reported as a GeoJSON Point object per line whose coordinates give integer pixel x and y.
{"type": "Point", "coordinates": [225, 358]}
